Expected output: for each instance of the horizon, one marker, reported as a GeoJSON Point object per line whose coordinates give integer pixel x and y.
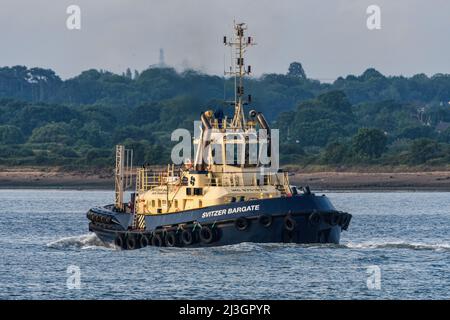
{"type": "Point", "coordinates": [259, 77]}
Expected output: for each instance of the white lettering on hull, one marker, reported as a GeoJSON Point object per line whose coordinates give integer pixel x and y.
{"type": "Point", "coordinates": [217, 213]}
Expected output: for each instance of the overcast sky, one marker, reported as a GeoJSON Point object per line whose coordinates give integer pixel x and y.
{"type": "Point", "coordinates": [328, 37]}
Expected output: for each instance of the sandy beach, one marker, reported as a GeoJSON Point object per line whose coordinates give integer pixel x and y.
{"type": "Point", "coordinates": [38, 177]}
{"type": "Point", "coordinates": [434, 180]}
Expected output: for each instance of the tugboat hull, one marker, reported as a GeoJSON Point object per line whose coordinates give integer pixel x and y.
{"type": "Point", "coordinates": [296, 219]}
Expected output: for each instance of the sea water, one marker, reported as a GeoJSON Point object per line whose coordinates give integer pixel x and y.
{"type": "Point", "coordinates": [397, 247]}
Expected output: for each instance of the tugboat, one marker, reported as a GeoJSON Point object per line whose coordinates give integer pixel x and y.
{"type": "Point", "coordinates": [222, 197]}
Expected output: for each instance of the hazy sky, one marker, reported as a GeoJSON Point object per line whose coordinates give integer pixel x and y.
{"type": "Point", "coordinates": [329, 37]}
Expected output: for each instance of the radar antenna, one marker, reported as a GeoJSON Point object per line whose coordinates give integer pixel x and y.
{"type": "Point", "coordinates": [238, 70]}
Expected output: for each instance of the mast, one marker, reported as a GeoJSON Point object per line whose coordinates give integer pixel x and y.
{"type": "Point", "coordinates": [238, 70]}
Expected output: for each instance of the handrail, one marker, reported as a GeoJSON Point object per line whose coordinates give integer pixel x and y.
{"type": "Point", "coordinates": [148, 179]}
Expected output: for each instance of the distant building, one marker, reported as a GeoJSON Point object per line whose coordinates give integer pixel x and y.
{"type": "Point", "coordinates": [161, 61]}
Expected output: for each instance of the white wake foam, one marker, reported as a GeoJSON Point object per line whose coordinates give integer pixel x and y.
{"type": "Point", "coordinates": [399, 245]}
{"type": "Point", "coordinates": [84, 241]}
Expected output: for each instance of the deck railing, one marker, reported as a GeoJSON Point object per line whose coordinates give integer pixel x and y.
{"type": "Point", "coordinates": [147, 179]}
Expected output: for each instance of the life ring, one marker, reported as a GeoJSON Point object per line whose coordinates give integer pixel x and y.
{"type": "Point", "coordinates": [334, 218]}
{"type": "Point", "coordinates": [187, 237]}
{"type": "Point", "coordinates": [119, 241]}
{"type": "Point", "coordinates": [131, 242]}
{"type": "Point", "coordinates": [289, 223]}
{"type": "Point", "coordinates": [171, 239]}
{"type": "Point", "coordinates": [144, 241]}
{"type": "Point", "coordinates": [265, 220]}
{"type": "Point", "coordinates": [206, 234]}
{"type": "Point", "coordinates": [315, 218]}
{"type": "Point", "coordinates": [241, 223]}
{"type": "Point", "coordinates": [157, 240]}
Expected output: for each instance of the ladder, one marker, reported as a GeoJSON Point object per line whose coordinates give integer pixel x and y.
{"type": "Point", "coordinates": [138, 219]}
{"type": "Point", "coordinates": [123, 174]}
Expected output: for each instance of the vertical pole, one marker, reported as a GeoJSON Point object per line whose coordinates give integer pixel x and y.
{"type": "Point", "coordinates": [120, 153]}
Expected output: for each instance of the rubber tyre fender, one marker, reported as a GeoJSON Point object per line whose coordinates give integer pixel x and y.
{"type": "Point", "coordinates": [206, 235]}
{"type": "Point", "coordinates": [342, 219]}
{"type": "Point", "coordinates": [157, 240]}
{"type": "Point", "coordinates": [132, 242]}
{"type": "Point", "coordinates": [144, 241]}
{"type": "Point", "coordinates": [289, 223]}
{"type": "Point", "coordinates": [119, 241]}
{"type": "Point", "coordinates": [315, 218]}
{"type": "Point", "coordinates": [241, 223]}
{"type": "Point", "coordinates": [187, 237]}
{"type": "Point", "coordinates": [265, 220]}
{"type": "Point", "coordinates": [334, 219]}
{"type": "Point", "coordinates": [171, 239]}
{"type": "Point", "coordinates": [348, 218]}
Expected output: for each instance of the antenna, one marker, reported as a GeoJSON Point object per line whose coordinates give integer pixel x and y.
{"type": "Point", "coordinates": [239, 43]}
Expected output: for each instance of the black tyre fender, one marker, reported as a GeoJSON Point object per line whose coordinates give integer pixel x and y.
{"type": "Point", "coordinates": [144, 241]}
{"type": "Point", "coordinates": [132, 242]}
{"type": "Point", "coordinates": [119, 241]}
{"type": "Point", "coordinates": [171, 239]}
{"type": "Point", "coordinates": [157, 240]}
{"type": "Point", "coordinates": [265, 220]}
{"type": "Point", "coordinates": [289, 223]}
{"type": "Point", "coordinates": [342, 218]}
{"type": "Point", "coordinates": [334, 218]}
{"type": "Point", "coordinates": [348, 218]}
{"type": "Point", "coordinates": [315, 218]}
{"type": "Point", "coordinates": [187, 237]}
{"type": "Point", "coordinates": [241, 223]}
{"type": "Point", "coordinates": [206, 234]}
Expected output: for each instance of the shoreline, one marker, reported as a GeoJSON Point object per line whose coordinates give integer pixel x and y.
{"type": "Point", "coordinates": [55, 178]}
{"type": "Point", "coordinates": [380, 181]}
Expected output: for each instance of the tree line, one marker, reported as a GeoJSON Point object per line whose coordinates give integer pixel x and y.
{"type": "Point", "coordinates": [368, 119]}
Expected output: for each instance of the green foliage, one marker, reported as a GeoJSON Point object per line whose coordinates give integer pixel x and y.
{"type": "Point", "coordinates": [445, 136]}
{"type": "Point", "coordinates": [369, 143]}
{"type": "Point", "coordinates": [416, 132]}
{"type": "Point", "coordinates": [320, 121]}
{"type": "Point", "coordinates": [10, 135]}
{"type": "Point", "coordinates": [45, 120]}
{"type": "Point", "coordinates": [335, 153]}
{"type": "Point", "coordinates": [423, 150]}
{"type": "Point", "coordinates": [52, 132]}
{"type": "Point", "coordinates": [296, 70]}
